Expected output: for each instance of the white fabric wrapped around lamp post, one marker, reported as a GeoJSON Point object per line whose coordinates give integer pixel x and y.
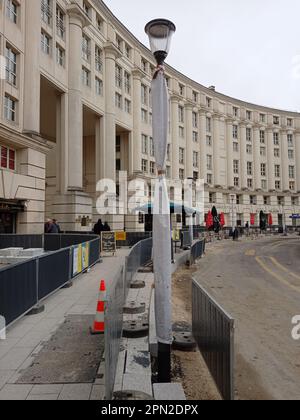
{"type": "Point", "coordinates": [160, 33]}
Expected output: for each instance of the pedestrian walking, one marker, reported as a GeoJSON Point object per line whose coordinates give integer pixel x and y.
{"type": "Point", "coordinates": [57, 226]}
{"type": "Point", "coordinates": [106, 227]}
{"type": "Point", "coordinates": [98, 228]}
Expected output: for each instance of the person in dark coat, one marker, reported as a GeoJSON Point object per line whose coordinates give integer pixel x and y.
{"type": "Point", "coordinates": [99, 227]}
{"type": "Point", "coordinates": [106, 227]}
{"type": "Point", "coordinates": [50, 227]}
{"type": "Point", "coordinates": [57, 226]}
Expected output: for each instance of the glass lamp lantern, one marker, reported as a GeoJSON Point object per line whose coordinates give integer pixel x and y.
{"type": "Point", "coordinates": [160, 33]}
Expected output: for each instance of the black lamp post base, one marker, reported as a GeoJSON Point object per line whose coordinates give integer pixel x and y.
{"type": "Point", "coordinates": [164, 363]}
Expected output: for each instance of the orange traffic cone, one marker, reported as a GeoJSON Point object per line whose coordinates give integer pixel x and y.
{"type": "Point", "coordinates": [99, 325]}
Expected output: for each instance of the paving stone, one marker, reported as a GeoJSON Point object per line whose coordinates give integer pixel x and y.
{"type": "Point", "coordinates": [5, 375]}
{"type": "Point", "coordinates": [98, 393]}
{"type": "Point", "coordinates": [15, 357]}
{"type": "Point", "coordinates": [168, 392]}
{"type": "Point", "coordinates": [15, 392]}
{"type": "Point", "coordinates": [46, 389]}
{"type": "Point", "coordinates": [79, 392]}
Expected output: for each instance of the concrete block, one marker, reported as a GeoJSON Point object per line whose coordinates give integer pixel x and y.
{"type": "Point", "coordinates": [12, 260]}
{"type": "Point", "coordinates": [10, 252]}
{"type": "Point", "coordinates": [31, 252]}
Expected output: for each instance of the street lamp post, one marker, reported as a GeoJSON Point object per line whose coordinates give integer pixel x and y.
{"type": "Point", "coordinates": [160, 32]}
{"type": "Point", "coordinates": [232, 197]}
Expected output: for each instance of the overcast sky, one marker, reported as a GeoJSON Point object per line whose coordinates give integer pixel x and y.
{"type": "Point", "coordinates": [248, 49]}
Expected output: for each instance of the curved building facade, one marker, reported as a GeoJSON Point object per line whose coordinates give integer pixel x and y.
{"type": "Point", "coordinates": [76, 108]}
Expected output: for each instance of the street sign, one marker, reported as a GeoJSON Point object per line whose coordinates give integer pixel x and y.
{"type": "Point", "coordinates": [121, 236]}
{"type": "Point", "coordinates": [295, 216]}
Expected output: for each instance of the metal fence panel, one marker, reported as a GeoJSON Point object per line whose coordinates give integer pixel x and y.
{"type": "Point", "coordinates": [113, 330]}
{"type": "Point", "coordinates": [213, 330]}
{"type": "Point", "coordinates": [197, 250]}
{"type": "Point", "coordinates": [18, 290]}
{"type": "Point", "coordinates": [94, 256]}
{"type": "Point", "coordinates": [54, 272]}
{"type": "Point", "coordinates": [21, 241]}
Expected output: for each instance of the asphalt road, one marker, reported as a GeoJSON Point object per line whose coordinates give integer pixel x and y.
{"type": "Point", "coordinates": [258, 283]}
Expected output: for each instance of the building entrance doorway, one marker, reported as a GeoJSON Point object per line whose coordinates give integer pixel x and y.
{"type": "Point", "coordinates": [7, 222]}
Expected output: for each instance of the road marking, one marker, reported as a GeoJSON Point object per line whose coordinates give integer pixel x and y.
{"type": "Point", "coordinates": [276, 276]}
{"type": "Point", "coordinates": [274, 260]}
{"type": "Point", "coordinates": [250, 253]}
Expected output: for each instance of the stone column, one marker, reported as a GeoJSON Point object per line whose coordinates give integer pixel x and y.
{"type": "Point", "coordinates": [257, 159]}
{"type": "Point", "coordinates": [297, 157]}
{"type": "Point", "coordinates": [32, 68]}
{"type": "Point", "coordinates": [189, 140]}
{"type": "Point", "coordinates": [271, 161]}
{"type": "Point", "coordinates": [243, 155]}
{"type": "Point", "coordinates": [111, 54]}
{"type": "Point", "coordinates": [175, 135]}
{"type": "Point", "coordinates": [285, 162]}
{"type": "Point", "coordinates": [203, 151]}
{"type": "Point", "coordinates": [75, 120]}
{"type": "Point", "coordinates": [216, 150]}
{"type": "Point", "coordinates": [229, 140]}
{"type": "Point", "coordinates": [62, 143]}
{"type": "Point", "coordinates": [136, 140]}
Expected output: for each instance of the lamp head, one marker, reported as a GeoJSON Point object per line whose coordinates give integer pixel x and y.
{"type": "Point", "coordinates": [160, 33]}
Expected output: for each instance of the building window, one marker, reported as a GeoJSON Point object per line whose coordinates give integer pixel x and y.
{"type": "Point", "coordinates": [118, 100]}
{"type": "Point", "coordinates": [181, 174]}
{"type": "Point", "coordinates": [263, 184]}
{"type": "Point", "coordinates": [60, 23]}
{"type": "Point", "coordinates": [236, 182]}
{"type": "Point", "coordinates": [127, 106]}
{"type": "Point", "coordinates": [127, 82]}
{"type": "Point", "coordinates": [208, 141]}
{"type": "Point", "coordinates": [168, 172]}
{"type": "Point", "coordinates": [250, 183]}
{"type": "Point", "coordinates": [249, 168]}
{"type": "Point", "coordinates": [45, 43]}
{"type": "Point", "coordinates": [289, 122]}
{"type": "Point", "coordinates": [144, 116]}
{"type": "Point", "coordinates": [277, 171]}
{"type": "Point", "coordinates": [209, 161]}
{"type": "Point", "coordinates": [12, 10]}
{"type": "Point", "coordinates": [181, 114]}
{"type": "Point", "coordinates": [100, 23]}
{"type": "Point", "coordinates": [235, 112]}
{"type": "Point", "coordinates": [248, 115]}
{"type": "Point", "coordinates": [235, 132]}
{"type": "Point", "coordinates": [127, 51]}
{"type": "Point", "coordinates": [144, 144]}
{"type": "Point", "coordinates": [168, 152]}
{"type": "Point", "coordinates": [277, 153]}
{"type": "Point", "coordinates": [181, 156]}
{"type": "Point", "coordinates": [249, 134]}
{"type": "Point", "coordinates": [195, 160]}
{"type": "Point", "coordinates": [262, 137]}
{"type": "Point", "coordinates": [46, 11]}
{"type": "Point", "coordinates": [195, 96]}
{"type": "Point", "coordinates": [253, 199]}
{"type": "Point", "coordinates": [276, 120]}
{"type": "Point", "coordinates": [86, 51]}
{"type": "Point", "coordinates": [181, 132]}
{"type": "Point", "coordinates": [98, 59]}
{"type": "Point", "coordinates": [208, 124]}
{"type": "Point", "coordinates": [152, 168]}
{"type": "Point", "coordinates": [291, 154]}
{"type": "Point", "coordinates": [235, 147]}
{"type": "Point", "coordinates": [8, 158]}
{"type": "Point", "coordinates": [144, 65]}
{"type": "Point", "coordinates": [236, 166]}
{"type": "Point", "coordinates": [85, 77]}
{"type": "Point", "coordinates": [99, 86]}
{"type": "Point", "coordinates": [262, 151]}
{"type": "Point", "coordinates": [119, 78]}
{"type": "Point", "coordinates": [292, 185]}
{"type": "Point", "coordinates": [144, 95]}
{"type": "Point", "coordinates": [276, 139]}
{"type": "Point", "coordinates": [290, 140]}
{"type": "Point", "coordinates": [144, 165]}
{"type": "Point", "coordinates": [10, 108]}
{"type": "Point", "coordinates": [295, 201]}
{"type": "Point", "coordinates": [249, 149]}
{"type": "Point", "coordinates": [208, 102]}
{"type": "Point", "coordinates": [209, 179]}
{"type": "Point", "coordinates": [195, 137]}
{"type": "Point", "coordinates": [151, 144]}
{"type": "Point", "coordinates": [195, 120]}
{"type": "Point", "coordinates": [292, 172]}
{"type": "Point", "coordinates": [60, 56]}
{"type": "Point", "coordinates": [277, 185]}
{"type": "Point", "coordinates": [263, 169]}
{"type": "Point", "coordinates": [262, 118]}
{"type": "Point", "coordinates": [280, 201]}
{"type": "Point", "coordinates": [181, 90]}
{"type": "Point", "coordinates": [11, 66]}
{"type": "Point", "coordinates": [87, 9]}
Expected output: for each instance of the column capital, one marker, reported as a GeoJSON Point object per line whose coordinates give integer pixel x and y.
{"type": "Point", "coordinates": [111, 50]}
{"type": "Point", "coordinates": [77, 13]}
{"type": "Point", "coordinates": [138, 73]}
{"type": "Point", "coordinates": [175, 98]}
{"type": "Point", "coordinates": [189, 106]}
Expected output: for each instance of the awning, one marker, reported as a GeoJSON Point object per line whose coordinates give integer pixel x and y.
{"type": "Point", "coordinates": [11, 206]}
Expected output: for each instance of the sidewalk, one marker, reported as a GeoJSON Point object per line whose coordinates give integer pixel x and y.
{"type": "Point", "coordinates": [25, 339]}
